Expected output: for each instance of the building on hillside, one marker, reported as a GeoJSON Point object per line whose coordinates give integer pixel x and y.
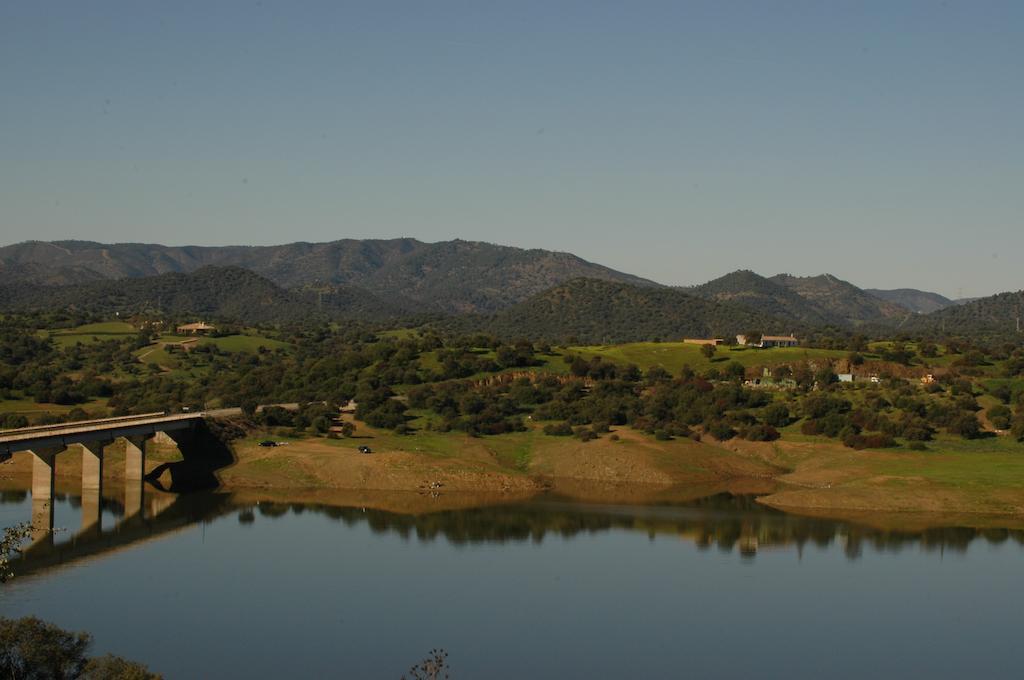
{"type": "Point", "coordinates": [768, 341]}
{"type": "Point", "coordinates": [703, 341]}
{"type": "Point", "coordinates": [844, 377]}
{"type": "Point", "coordinates": [200, 328]}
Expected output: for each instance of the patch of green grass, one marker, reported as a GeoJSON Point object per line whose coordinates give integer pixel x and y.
{"type": "Point", "coordinates": [513, 450]}
{"type": "Point", "coordinates": [979, 464]}
{"type": "Point", "coordinates": [672, 356]}
{"type": "Point", "coordinates": [244, 343]}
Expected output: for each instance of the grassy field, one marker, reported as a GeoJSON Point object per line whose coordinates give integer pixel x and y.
{"type": "Point", "coordinates": [157, 353]}
{"type": "Point", "coordinates": [244, 343]}
{"type": "Point", "coordinates": [28, 406]}
{"type": "Point", "coordinates": [93, 332]}
{"type": "Point", "coordinates": [672, 356]}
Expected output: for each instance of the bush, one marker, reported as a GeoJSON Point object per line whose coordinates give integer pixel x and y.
{"type": "Point", "coordinates": [966, 425]}
{"type": "Point", "coordinates": [558, 429]}
{"type": "Point", "coordinates": [777, 415]}
{"type": "Point", "coordinates": [760, 432]}
{"type": "Point", "coordinates": [868, 441]}
{"type": "Point", "coordinates": [32, 648]}
{"type": "Point", "coordinates": [662, 435]}
{"type": "Point", "coordinates": [721, 430]}
{"type": "Point", "coordinates": [1001, 417]}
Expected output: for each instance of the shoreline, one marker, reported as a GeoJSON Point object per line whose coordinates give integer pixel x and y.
{"type": "Point", "coordinates": [431, 471]}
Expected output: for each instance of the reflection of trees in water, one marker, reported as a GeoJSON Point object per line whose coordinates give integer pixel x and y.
{"type": "Point", "coordinates": [724, 521]}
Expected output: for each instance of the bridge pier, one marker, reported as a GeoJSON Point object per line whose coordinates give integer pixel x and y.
{"type": "Point", "coordinates": [92, 484]}
{"type": "Point", "coordinates": [44, 472]}
{"type": "Point", "coordinates": [135, 457]}
{"type": "Point", "coordinates": [134, 474]}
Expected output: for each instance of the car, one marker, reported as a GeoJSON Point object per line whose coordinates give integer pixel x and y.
{"type": "Point", "coordinates": [365, 449]}
{"type": "Point", "coordinates": [268, 442]}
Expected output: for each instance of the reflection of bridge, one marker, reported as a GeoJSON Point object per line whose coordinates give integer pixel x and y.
{"type": "Point", "coordinates": [46, 441]}
{"type": "Point", "coordinates": [163, 515]}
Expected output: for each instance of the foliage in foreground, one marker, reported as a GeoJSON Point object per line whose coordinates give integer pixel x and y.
{"type": "Point", "coordinates": [32, 649]}
{"type": "Point", "coordinates": [434, 667]}
{"type": "Point", "coordinates": [12, 539]}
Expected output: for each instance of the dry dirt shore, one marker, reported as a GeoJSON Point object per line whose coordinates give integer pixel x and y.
{"type": "Point", "coordinates": [411, 473]}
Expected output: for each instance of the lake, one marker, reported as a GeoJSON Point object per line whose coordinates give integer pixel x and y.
{"type": "Point", "coordinates": [206, 586]}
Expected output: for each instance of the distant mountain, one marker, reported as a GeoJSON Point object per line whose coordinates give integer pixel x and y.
{"type": "Point", "coordinates": [752, 290]}
{"type": "Point", "coordinates": [449, 277]}
{"type": "Point", "coordinates": [596, 311]}
{"type": "Point", "coordinates": [994, 316]}
{"type": "Point", "coordinates": [223, 293]}
{"type": "Point", "coordinates": [919, 301]}
{"type": "Point", "coordinates": [842, 299]}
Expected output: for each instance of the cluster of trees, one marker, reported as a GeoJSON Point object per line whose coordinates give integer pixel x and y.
{"type": "Point", "coordinates": [443, 379]}
{"type": "Point", "coordinates": [32, 648]}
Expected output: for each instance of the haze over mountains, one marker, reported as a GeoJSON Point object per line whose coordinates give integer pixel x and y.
{"type": "Point", "coordinates": [487, 287]}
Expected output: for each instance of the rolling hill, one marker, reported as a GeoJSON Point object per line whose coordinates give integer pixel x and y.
{"type": "Point", "coordinates": [994, 316]}
{"type": "Point", "coordinates": [752, 290]}
{"type": "Point", "coordinates": [842, 299]}
{"type": "Point", "coordinates": [594, 311]}
{"type": "Point", "coordinates": [223, 293]}
{"type": "Point", "coordinates": [920, 301]}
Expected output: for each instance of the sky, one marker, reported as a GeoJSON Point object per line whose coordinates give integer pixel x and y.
{"type": "Point", "coordinates": [882, 142]}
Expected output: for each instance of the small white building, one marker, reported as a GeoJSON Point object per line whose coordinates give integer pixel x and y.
{"type": "Point", "coordinates": [768, 341]}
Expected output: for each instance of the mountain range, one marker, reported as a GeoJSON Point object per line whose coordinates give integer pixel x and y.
{"type": "Point", "coordinates": [450, 277]}
{"type": "Point", "coordinates": [473, 285]}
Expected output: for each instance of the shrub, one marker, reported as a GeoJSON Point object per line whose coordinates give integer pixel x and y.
{"type": "Point", "coordinates": [558, 429]}
{"type": "Point", "coordinates": [966, 425]}
{"type": "Point", "coordinates": [760, 432]}
{"type": "Point", "coordinates": [721, 430]}
{"type": "Point", "coordinates": [777, 415]}
{"type": "Point", "coordinates": [1001, 417]}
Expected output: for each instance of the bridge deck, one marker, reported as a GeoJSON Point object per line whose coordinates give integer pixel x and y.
{"type": "Point", "coordinates": [69, 433]}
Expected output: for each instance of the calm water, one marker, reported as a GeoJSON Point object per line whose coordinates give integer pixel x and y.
{"type": "Point", "coordinates": [204, 588]}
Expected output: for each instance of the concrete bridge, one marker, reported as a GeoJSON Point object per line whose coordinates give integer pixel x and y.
{"type": "Point", "coordinates": [45, 442]}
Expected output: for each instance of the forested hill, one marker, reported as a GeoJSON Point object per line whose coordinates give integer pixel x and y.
{"type": "Point", "coordinates": [752, 290]}
{"type": "Point", "coordinates": [448, 277]}
{"type": "Point", "coordinates": [994, 316]}
{"type": "Point", "coordinates": [224, 293]}
{"type": "Point", "coordinates": [842, 299]}
{"type": "Point", "coordinates": [595, 311]}
{"type": "Point", "coordinates": [920, 301]}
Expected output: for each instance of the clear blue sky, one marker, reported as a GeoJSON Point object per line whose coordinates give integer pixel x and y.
{"type": "Point", "coordinates": [880, 141]}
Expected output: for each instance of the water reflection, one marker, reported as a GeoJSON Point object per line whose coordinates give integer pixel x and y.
{"type": "Point", "coordinates": [725, 522]}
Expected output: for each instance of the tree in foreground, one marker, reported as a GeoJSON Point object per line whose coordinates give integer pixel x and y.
{"type": "Point", "coordinates": [434, 667]}
{"type": "Point", "coordinates": [9, 545]}
{"type": "Point", "coordinates": [32, 649]}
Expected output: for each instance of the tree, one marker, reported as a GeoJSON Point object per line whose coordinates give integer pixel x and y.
{"type": "Point", "coordinates": [1001, 417]}
{"type": "Point", "coordinates": [777, 415]}
{"type": "Point", "coordinates": [708, 350]}
{"type": "Point", "coordinates": [12, 539]}
{"type": "Point", "coordinates": [109, 667]}
{"type": "Point", "coordinates": [32, 649]}
{"type": "Point", "coordinates": [966, 425]}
